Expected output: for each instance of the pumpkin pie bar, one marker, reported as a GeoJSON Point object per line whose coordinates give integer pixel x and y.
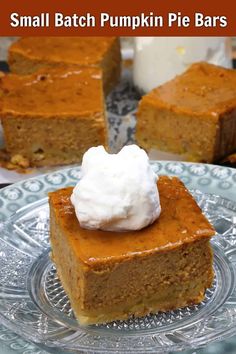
{"type": "Point", "coordinates": [29, 54]}
{"type": "Point", "coordinates": [110, 276]}
{"type": "Point", "coordinates": [52, 117]}
{"type": "Point", "coordinates": [193, 115]}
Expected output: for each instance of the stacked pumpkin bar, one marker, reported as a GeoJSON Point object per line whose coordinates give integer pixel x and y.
{"type": "Point", "coordinates": [32, 53]}
{"type": "Point", "coordinates": [52, 103]}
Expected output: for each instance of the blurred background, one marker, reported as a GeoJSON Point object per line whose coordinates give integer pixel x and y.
{"type": "Point", "coordinates": [126, 42]}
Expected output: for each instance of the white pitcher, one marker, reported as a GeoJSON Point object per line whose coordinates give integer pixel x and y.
{"type": "Point", "coordinates": [159, 59]}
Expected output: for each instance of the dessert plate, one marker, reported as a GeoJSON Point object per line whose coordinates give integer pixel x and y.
{"type": "Point", "coordinates": [34, 304]}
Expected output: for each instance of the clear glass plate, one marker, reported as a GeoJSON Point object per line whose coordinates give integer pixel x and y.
{"type": "Point", "coordinates": [34, 304]}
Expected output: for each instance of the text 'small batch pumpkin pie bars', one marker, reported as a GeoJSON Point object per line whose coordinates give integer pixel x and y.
{"type": "Point", "coordinates": [114, 255]}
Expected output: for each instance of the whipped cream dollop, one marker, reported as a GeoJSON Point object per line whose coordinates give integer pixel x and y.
{"type": "Point", "coordinates": [116, 192]}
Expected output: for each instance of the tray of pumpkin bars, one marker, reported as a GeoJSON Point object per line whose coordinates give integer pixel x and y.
{"type": "Point", "coordinates": [112, 240]}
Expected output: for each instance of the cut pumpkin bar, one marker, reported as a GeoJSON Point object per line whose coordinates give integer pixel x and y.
{"type": "Point", "coordinates": [52, 117]}
{"type": "Point", "coordinates": [112, 276]}
{"type": "Point", "coordinates": [29, 54]}
{"type": "Point", "coordinates": [193, 115]}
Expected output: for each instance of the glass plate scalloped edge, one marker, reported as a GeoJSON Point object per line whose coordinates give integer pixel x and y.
{"type": "Point", "coordinates": [25, 241]}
